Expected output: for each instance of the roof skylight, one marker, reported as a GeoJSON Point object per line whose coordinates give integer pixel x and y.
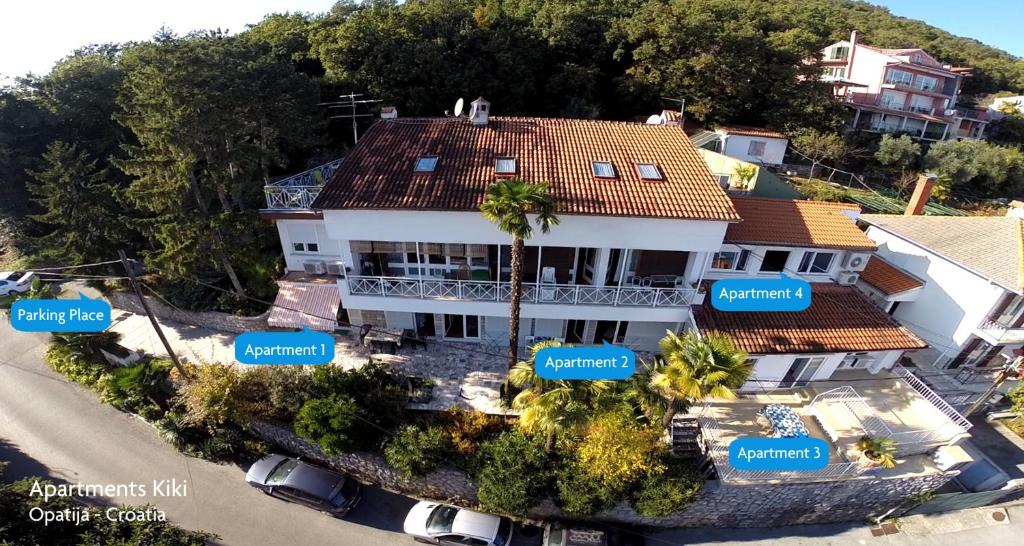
{"type": "Point", "coordinates": [649, 171]}
{"type": "Point", "coordinates": [603, 169]}
{"type": "Point", "coordinates": [425, 164]}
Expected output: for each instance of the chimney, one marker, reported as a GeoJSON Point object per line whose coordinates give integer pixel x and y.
{"type": "Point", "coordinates": [388, 112]}
{"type": "Point", "coordinates": [478, 111]}
{"type": "Point", "coordinates": [853, 51]}
{"type": "Point", "coordinates": [922, 191]}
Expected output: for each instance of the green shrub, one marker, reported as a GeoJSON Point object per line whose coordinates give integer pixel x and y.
{"type": "Point", "coordinates": [331, 423]}
{"type": "Point", "coordinates": [415, 451]}
{"type": "Point", "coordinates": [132, 388]}
{"type": "Point", "coordinates": [512, 473]}
{"type": "Point", "coordinates": [466, 429]}
{"type": "Point", "coordinates": [213, 396]}
{"type": "Point", "coordinates": [75, 365]}
{"type": "Point", "coordinates": [669, 492]}
{"type": "Point", "coordinates": [279, 391]}
{"type": "Point", "coordinates": [580, 493]}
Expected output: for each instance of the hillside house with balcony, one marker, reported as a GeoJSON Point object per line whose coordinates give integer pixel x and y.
{"type": "Point", "coordinates": [900, 91]}
{"type": "Point", "coordinates": [399, 224]}
{"type": "Point", "coordinates": [968, 273]}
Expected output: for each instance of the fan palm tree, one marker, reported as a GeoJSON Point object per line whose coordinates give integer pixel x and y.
{"type": "Point", "coordinates": [509, 204]}
{"type": "Point", "coordinates": [552, 406]}
{"type": "Point", "coordinates": [694, 369]}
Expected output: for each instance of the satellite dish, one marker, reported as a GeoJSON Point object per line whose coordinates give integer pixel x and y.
{"type": "Point", "coordinates": [458, 107]}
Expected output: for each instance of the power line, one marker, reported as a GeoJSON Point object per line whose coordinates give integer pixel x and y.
{"type": "Point", "coordinates": [65, 267]}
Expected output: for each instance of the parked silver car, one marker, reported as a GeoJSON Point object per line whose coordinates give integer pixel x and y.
{"type": "Point", "coordinates": [435, 523]}
{"type": "Point", "coordinates": [15, 282]}
{"type": "Point", "coordinates": [297, 481]}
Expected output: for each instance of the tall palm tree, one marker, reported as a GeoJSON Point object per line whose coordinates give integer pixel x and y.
{"type": "Point", "coordinates": [553, 406]}
{"type": "Point", "coordinates": [509, 204]}
{"type": "Point", "coordinates": [693, 369]}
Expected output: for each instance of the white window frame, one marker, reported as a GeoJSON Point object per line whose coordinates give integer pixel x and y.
{"type": "Point", "coordinates": [739, 261]}
{"type": "Point", "coordinates": [505, 165]}
{"type": "Point", "coordinates": [895, 76]}
{"type": "Point", "coordinates": [922, 78]}
{"type": "Point", "coordinates": [752, 148]}
{"type": "Point", "coordinates": [808, 262]}
{"type": "Point", "coordinates": [597, 168]}
{"type": "Point", "coordinates": [649, 171]}
{"type": "Point", "coordinates": [465, 329]}
{"type": "Point", "coordinates": [426, 164]}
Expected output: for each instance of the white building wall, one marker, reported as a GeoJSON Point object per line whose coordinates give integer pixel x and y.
{"type": "Point", "coordinates": [738, 146]}
{"type": "Point", "coordinates": [868, 69]}
{"type": "Point", "coordinates": [796, 254]}
{"type": "Point", "coordinates": [294, 231]}
{"type": "Point", "coordinates": [953, 301]}
{"type": "Point", "coordinates": [771, 369]}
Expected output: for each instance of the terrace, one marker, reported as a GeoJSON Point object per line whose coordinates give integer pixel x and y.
{"type": "Point", "coordinates": [895, 405]}
{"type": "Point", "coordinates": [297, 192]}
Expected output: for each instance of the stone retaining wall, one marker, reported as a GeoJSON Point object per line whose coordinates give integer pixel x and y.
{"type": "Point", "coordinates": [213, 320]}
{"type": "Point", "coordinates": [717, 505]}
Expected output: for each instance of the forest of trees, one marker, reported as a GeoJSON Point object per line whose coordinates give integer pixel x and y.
{"type": "Point", "coordinates": [163, 147]}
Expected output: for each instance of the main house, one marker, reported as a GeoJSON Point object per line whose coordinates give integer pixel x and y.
{"type": "Point", "coordinates": [900, 91]}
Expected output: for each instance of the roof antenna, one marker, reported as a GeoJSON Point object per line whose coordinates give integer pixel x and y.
{"type": "Point", "coordinates": [349, 101]}
{"type": "Point", "coordinates": [682, 110]}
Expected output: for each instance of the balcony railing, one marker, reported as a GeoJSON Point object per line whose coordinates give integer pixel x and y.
{"type": "Point", "coordinates": [1001, 334]}
{"type": "Point", "coordinates": [300, 190]}
{"type": "Point", "coordinates": [563, 294]}
{"type": "Point", "coordinates": [928, 394]}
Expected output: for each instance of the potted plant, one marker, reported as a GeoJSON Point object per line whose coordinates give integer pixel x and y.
{"type": "Point", "coordinates": [877, 452]}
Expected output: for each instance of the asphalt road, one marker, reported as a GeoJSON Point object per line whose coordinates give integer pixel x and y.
{"type": "Point", "coordinates": [53, 428]}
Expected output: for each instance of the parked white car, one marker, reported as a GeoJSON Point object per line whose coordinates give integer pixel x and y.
{"type": "Point", "coordinates": [16, 282]}
{"type": "Point", "coordinates": [435, 523]}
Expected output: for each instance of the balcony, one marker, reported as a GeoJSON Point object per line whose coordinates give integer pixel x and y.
{"type": "Point", "coordinates": [297, 192]}
{"type": "Point", "coordinates": [539, 293]}
{"type": "Point", "coordinates": [997, 333]}
{"type": "Point", "coordinates": [891, 405]}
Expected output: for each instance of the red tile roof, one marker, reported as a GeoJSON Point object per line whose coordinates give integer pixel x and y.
{"type": "Point", "coordinates": [787, 222]}
{"type": "Point", "coordinates": [840, 319]}
{"type": "Point", "coordinates": [749, 131]}
{"type": "Point", "coordinates": [888, 278]}
{"type": "Point", "coordinates": [378, 173]}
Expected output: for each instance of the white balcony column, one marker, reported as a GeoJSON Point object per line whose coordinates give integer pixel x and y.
{"type": "Point", "coordinates": [419, 268]}
{"type": "Point", "coordinates": [695, 266]}
{"type": "Point", "coordinates": [903, 123]}
{"type": "Point", "coordinates": [856, 117]}
{"type": "Point", "coordinates": [945, 131]}
{"type": "Point", "coordinates": [924, 128]}
{"type": "Point", "coordinates": [625, 254]}
{"type": "Point", "coordinates": [601, 265]}
{"type": "Point", "coordinates": [540, 250]}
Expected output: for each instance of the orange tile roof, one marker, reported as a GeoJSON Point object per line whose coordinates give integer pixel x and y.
{"type": "Point", "coordinates": [750, 131]}
{"type": "Point", "coordinates": [840, 319]}
{"type": "Point", "coordinates": [378, 173]}
{"type": "Point", "coordinates": [888, 278]}
{"type": "Point", "coordinates": [788, 222]}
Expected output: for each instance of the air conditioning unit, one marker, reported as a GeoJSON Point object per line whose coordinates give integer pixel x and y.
{"type": "Point", "coordinates": [847, 278]}
{"type": "Point", "coordinates": [314, 267]}
{"type": "Point", "coordinates": [855, 261]}
{"type": "Point", "coordinates": [336, 268]}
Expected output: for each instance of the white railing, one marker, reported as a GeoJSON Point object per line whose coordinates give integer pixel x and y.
{"type": "Point", "coordinates": [718, 451]}
{"type": "Point", "coordinates": [300, 190]}
{"type": "Point", "coordinates": [565, 294]}
{"type": "Point", "coordinates": [936, 400]}
{"type": "Point", "coordinates": [847, 396]}
{"type": "Point", "coordinates": [1003, 334]}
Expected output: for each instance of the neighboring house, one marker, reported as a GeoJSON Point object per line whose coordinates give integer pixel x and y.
{"type": "Point", "coordinates": [900, 91]}
{"type": "Point", "coordinates": [399, 223]}
{"type": "Point", "coordinates": [995, 110]}
{"type": "Point", "coordinates": [764, 183]}
{"type": "Point", "coordinates": [753, 144]}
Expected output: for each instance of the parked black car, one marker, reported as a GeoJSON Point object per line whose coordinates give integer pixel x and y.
{"type": "Point", "coordinates": [590, 534]}
{"type": "Point", "coordinates": [297, 481]}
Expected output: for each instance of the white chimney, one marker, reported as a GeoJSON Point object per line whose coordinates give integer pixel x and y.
{"type": "Point", "coordinates": [850, 55]}
{"type": "Point", "coordinates": [388, 112]}
{"type": "Point", "coordinates": [479, 110]}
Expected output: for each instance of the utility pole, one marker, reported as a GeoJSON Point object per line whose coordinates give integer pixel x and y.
{"type": "Point", "coordinates": [1003, 374]}
{"type": "Point", "coordinates": [349, 101]}
{"type": "Point", "coordinates": [130, 271]}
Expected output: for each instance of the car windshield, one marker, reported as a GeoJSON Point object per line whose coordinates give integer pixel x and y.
{"type": "Point", "coordinates": [281, 471]}
{"type": "Point", "coordinates": [440, 520]}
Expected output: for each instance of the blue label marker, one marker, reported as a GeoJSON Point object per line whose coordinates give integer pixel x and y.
{"type": "Point", "coordinates": [81, 315]}
{"type": "Point", "coordinates": [778, 454]}
{"type": "Point", "coordinates": [288, 348]}
{"type": "Point", "coordinates": [605, 362]}
{"type": "Point", "coordinates": [782, 294]}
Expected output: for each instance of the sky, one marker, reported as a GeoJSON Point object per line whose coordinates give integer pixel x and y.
{"type": "Point", "coordinates": [34, 34]}
{"type": "Point", "coordinates": [995, 22]}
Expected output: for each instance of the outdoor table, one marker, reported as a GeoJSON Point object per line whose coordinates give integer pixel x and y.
{"type": "Point", "coordinates": [784, 421]}
{"type": "Point", "coordinates": [384, 338]}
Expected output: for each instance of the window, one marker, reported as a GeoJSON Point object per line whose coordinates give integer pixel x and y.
{"type": "Point", "coordinates": [816, 262]}
{"type": "Point", "coordinates": [756, 148]}
{"type": "Point", "coordinates": [505, 165]}
{"type": "Point", "coordinates": [461, 326]}
{"type": "Point", "coordinates": [730, 260]}
{"type": "Point", "coordinates": [926, 83]}
{"type": "Point", "coordinates": [898, 77]}
{"type": "Point", "coordinates": [603, 169]}
{"type": "Point", "coordinates": [840, 52]}
{"type": "Point", "coordinates": [306, 247]}
{"type": "Point", "coordinates": [426, 164]}
{"type": "Point", "coordinates": [281, 471]}
{"type": "Point", "coordinates": [834, 72]}
{"type": "Point", "coordinates": [648, 171]}
{"type": "Point", "coordinates": [724, 180]}
{"type": "Point", "coordinates": [774, 260]}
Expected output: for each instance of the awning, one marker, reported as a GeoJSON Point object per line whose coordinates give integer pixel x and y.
{"type": "Point", "coordinates": [303, 304]}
